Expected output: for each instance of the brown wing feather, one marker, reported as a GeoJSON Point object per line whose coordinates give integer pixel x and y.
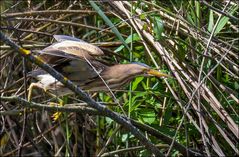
{"type": "Point", "coordinates": [73, 49]}
{"type": "Point", "coordinates": [71, 59]}
{"type": "Point", "coordinates": [70, 49]}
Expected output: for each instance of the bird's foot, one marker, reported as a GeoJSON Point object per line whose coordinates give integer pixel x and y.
{"type": "Point", "coordinates": [56, 115]}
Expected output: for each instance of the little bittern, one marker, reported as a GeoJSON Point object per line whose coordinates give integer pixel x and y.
{"type": "Point", "coordinates": [77, 61]}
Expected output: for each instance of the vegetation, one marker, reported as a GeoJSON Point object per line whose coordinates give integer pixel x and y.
{"type": "Point", "coordinates": [195, 112]}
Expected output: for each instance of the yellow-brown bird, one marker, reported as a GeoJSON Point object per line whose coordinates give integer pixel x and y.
{"type": "Point", "coordinates": [77, 61]}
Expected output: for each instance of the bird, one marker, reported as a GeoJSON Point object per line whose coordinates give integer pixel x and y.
{"type": "Point", "coordinates": [77, 60]}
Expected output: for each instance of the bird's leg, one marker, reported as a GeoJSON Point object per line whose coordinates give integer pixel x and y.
{"type": "Point", "coordinates": [45, 89]}
{"type": "Point", "coordinates": [32, 85]}
{"type": "Point", "coordinates": [56, 115]}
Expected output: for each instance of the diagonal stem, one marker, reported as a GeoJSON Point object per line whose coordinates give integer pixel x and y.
{"type": "Point", "coordinates": [116, 117]}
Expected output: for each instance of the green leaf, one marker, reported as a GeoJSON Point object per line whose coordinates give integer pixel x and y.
{"type": "Point", "coordinates": [158, 27]}
{"type": "Point", "coordinates": [109, 23]}
{"type": "Point", "coordinates": [132, 37]}
{"type": "Point", "coordinates": [181, 53]}
{"type": "Point", "coordinates": [144, 153]}
{"type": "Point", "coordinates": [211, 21]}
{"type": "Point", "coordinates": [136, 82]}
{"type": "Point", "coordinates": [137, 100]}
{"type": "Point", "coordinates": [219, 73]}
{"type": "Point", "coordinates": [223, 21]}
{"type": "Point", "coordinates": [108, 120]}
{"type": "Point", "coordinates": [189, 19]}
{"type": "Point", "coordinates": [138, 48]}
{"type": "Point", "coordinates": [198, 12]}
{"type": "Point", "coordinates": [104, 97]}
{"type": "Point", "coordinates": [134, 106]}
{"type": "Point", "coordinates": [191, 15]}
{"type": "Point", "coordinates": [147, 115]}
{"type": "Point", "coordinates": [124, 137]}
{"type": "Point", "coordinates": [236, 85]}
{"type": "Point", "coordinates": [142, 16]}
{"type": "Point", "coordinates": [65, 99]}
{"type": "Point", "coordinates": [175, 154]}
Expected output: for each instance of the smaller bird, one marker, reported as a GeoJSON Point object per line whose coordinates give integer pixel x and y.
{"type": "Point", "coordinates": [77, 61]}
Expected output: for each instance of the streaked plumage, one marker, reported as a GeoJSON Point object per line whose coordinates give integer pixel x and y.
{"type": "Point", "coordinates": [76, 60]}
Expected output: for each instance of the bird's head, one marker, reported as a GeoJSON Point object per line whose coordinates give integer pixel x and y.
{"type": "Point", "coordinates": [123, 73]}
{"type": "Point", "coordinates": [144, 70]}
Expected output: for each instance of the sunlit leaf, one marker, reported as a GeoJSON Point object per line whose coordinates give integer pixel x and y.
{"type": "Point", "coordinates": [223, 21]}
{"type": "Point", "coordinates": [132, 37]}
{"type": "Point", "coordinates": [136, 82]}
{"type": "Point", "coordinates": [158, 27]}
{"type": "Point", "coordinates": [211, 21]}
{"type": "Point", "coordinates": [147, 115]}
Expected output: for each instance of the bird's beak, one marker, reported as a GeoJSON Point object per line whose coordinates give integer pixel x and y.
{"type": "Point", "coordinates": [156, 73]}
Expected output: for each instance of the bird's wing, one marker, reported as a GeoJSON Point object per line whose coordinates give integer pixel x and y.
{"type": "Point", "coordinates": [61, 38]}
{"type": "Point", "coordinates": [71, 57]}
{"type": "Point", "coordinates": [79, 71]}
{"type": "Point", "coordinates": [75, 70]}
{"type": "Point", "coordinates": [72, 49]}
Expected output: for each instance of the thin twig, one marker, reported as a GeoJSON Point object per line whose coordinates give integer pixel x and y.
{"type": "Point", "coordinates": [27, 54]}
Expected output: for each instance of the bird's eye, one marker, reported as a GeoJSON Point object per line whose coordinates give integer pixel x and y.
{"type": "Point", "coordinates": [145, 70]}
